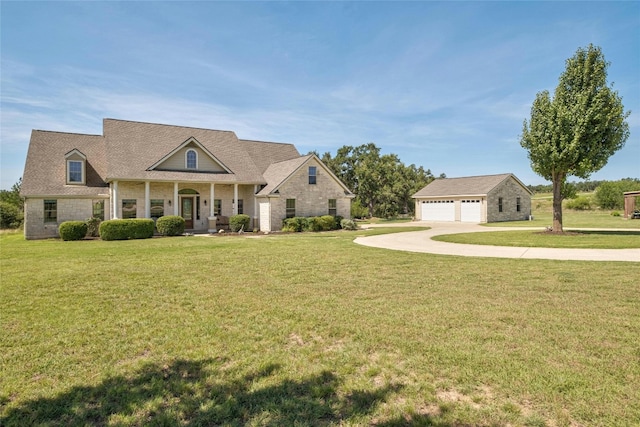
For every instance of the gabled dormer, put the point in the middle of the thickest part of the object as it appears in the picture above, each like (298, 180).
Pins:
(76, 167)
(190, 156)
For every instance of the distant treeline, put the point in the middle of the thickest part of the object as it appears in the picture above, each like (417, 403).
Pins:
(580, 187)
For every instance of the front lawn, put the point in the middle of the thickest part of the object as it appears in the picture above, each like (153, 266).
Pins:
(310, 329)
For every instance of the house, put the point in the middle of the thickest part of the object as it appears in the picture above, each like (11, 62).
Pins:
(488, 198)
(146, 170)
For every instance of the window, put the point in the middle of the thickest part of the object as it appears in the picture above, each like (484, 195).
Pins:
(517, 204)
(50, 211)
(217, 207)
(156, 207)
(333, 207)
(75, 172)
(499, 204)
(312, 174)
(98, 209)
(191, 159)
(240, 206)
(291, 208)
(129, 208)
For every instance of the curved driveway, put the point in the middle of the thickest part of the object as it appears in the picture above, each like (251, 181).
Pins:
(420, 241)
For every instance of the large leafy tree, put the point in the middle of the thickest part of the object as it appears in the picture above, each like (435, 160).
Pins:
(382, 183)
(577, 131)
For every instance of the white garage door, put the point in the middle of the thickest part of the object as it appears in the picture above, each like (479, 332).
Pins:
(438, 210)
(470, 211)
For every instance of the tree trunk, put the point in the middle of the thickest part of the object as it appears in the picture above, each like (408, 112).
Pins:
(558, 180)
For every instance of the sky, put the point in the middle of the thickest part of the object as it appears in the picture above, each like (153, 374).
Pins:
(444, 85)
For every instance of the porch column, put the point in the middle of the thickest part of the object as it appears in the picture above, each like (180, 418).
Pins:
(235, 199)
(176, 211)
(255, 207)
(212, 209)
(114, 200)
(147, 203)
(212, 196)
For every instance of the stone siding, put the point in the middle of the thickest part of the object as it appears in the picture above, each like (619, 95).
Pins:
(509, 190)
(311, 199)
(67, 210)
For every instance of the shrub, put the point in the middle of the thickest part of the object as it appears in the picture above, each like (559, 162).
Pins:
(72, 230)
(93, 227)
(313, 224)
(124, 229)
(348, 224)
(10, 215)
(580, 203)
(170, 225)
(239, 222)
(358, 211)
(327, 222)
(615, 213)
(338, 220)
(295, 224)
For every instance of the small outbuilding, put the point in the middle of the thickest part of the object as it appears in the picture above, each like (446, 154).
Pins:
(487, 198)
(630, 203)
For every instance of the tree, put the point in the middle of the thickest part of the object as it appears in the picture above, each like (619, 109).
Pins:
(577, 131)
(13, 196)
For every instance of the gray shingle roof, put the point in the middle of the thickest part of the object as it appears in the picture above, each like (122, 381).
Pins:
(277, 173)
(465, 186)
(128, 149)
(45, 169)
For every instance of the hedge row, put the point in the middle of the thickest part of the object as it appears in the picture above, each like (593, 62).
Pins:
(73, 230)
(124, 229)
(314, 223)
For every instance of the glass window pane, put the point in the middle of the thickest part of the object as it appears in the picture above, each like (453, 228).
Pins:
(129, 208)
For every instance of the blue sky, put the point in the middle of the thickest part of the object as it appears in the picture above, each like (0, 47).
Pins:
(444, 85)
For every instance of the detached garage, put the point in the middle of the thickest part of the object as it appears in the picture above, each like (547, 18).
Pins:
(488, 198)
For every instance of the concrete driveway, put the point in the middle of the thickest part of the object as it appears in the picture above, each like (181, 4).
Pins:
(420, 241)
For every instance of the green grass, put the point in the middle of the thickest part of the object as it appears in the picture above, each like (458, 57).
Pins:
(542, 211)
(310, 329)
(537, 239)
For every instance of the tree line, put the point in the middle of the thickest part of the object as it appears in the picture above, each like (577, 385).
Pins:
(382, 183)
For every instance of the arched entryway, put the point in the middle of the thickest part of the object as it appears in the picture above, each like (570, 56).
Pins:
(189, 206)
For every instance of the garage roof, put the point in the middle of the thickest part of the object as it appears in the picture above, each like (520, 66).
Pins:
(465, 186)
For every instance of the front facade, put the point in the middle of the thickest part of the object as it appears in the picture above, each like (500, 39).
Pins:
(145, 170)
(478, 199)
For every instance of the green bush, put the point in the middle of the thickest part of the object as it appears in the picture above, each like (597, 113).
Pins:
(358, 211)
(72, 230)
(239, 222)
(170, 225)
(348, 224)
(313, 224)
(93, 227)
(327, 222)
(124, 229)
(580, 203)
(295, 224)
(338, 219)
(10, 215)
(615, 213)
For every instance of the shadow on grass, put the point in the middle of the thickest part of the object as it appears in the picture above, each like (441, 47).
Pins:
(610, 232)
(200, 393)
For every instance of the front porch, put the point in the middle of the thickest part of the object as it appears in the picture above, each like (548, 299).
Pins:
(205, 207)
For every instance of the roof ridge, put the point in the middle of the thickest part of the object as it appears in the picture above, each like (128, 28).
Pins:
(168, 125)
(67, 133)
(265, 142)
(479, 176)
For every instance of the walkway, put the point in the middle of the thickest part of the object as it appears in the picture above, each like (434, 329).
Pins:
(420, 241)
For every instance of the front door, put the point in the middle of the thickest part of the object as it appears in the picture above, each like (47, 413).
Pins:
(187, 212)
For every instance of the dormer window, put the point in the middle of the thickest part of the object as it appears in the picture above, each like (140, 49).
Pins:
(191, 159)
(76, 167)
